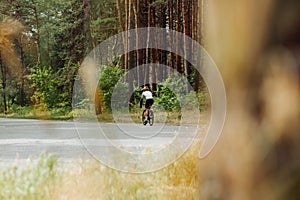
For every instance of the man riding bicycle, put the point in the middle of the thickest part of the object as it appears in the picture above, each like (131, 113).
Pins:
(147, 94)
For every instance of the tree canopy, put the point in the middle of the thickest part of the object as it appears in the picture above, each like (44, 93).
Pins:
(47, 41)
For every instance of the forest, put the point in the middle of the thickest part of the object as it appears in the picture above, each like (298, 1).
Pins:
(43, 43)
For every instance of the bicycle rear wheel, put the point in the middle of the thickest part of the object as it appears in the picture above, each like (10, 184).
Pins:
(143, 117)
(151, 117)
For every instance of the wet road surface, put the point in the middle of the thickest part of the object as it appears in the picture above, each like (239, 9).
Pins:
(23, 138)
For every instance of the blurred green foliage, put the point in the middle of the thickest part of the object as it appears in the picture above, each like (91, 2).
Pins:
(34, 181)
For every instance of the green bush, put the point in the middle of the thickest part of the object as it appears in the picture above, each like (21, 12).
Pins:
(174, 93)
(21, 111)
(110, 76)
(52, 86)
(44, 86)
(167, 99)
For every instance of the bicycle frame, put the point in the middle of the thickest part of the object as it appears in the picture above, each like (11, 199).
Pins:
(150, 117)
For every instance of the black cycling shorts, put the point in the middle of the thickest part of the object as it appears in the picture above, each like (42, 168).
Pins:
(149, 102)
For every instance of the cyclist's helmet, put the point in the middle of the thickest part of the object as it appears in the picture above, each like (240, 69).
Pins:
(145, 88)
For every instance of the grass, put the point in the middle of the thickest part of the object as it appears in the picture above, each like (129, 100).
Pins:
(49, 178)
(35, 180)
(30, 112)
(94, 181)
(165, 117)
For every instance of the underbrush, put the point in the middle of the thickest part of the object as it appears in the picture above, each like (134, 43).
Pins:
(34, 112)
(166, 110)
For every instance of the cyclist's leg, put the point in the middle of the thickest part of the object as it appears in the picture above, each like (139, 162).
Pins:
(147, 106)
(151, 101)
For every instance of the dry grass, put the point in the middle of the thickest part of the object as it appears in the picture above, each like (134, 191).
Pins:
(88, 179)
(91, 180)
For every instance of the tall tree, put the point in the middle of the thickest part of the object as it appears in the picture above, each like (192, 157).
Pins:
(187, 30)
(86, 24)
(37, 29)
(3, 83)
(171, 26)
(161, 18)
(153, 52)
(198, 38)
(69, 39)
(138, 52)
(178, 39)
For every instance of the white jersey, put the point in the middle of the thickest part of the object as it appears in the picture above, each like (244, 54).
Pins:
(147, 95)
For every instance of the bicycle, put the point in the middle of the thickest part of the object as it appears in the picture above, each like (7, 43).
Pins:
(150, 119)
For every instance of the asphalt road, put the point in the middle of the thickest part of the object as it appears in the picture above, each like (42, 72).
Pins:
(22, 138)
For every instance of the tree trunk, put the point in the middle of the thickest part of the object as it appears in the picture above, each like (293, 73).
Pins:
(120, 16)
(186, 10)
(22, 90)
(200, 22)
(87, 29)
(172, 58)
(135, 5)
(162, 38)
(123, 28)
(153, 51)
(178, 29)
(127, 19)
(38, 42)
(131, 56)
(143, 20)
(3, 73)
(198, 38)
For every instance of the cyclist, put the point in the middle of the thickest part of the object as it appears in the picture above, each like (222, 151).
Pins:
(147, 94)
